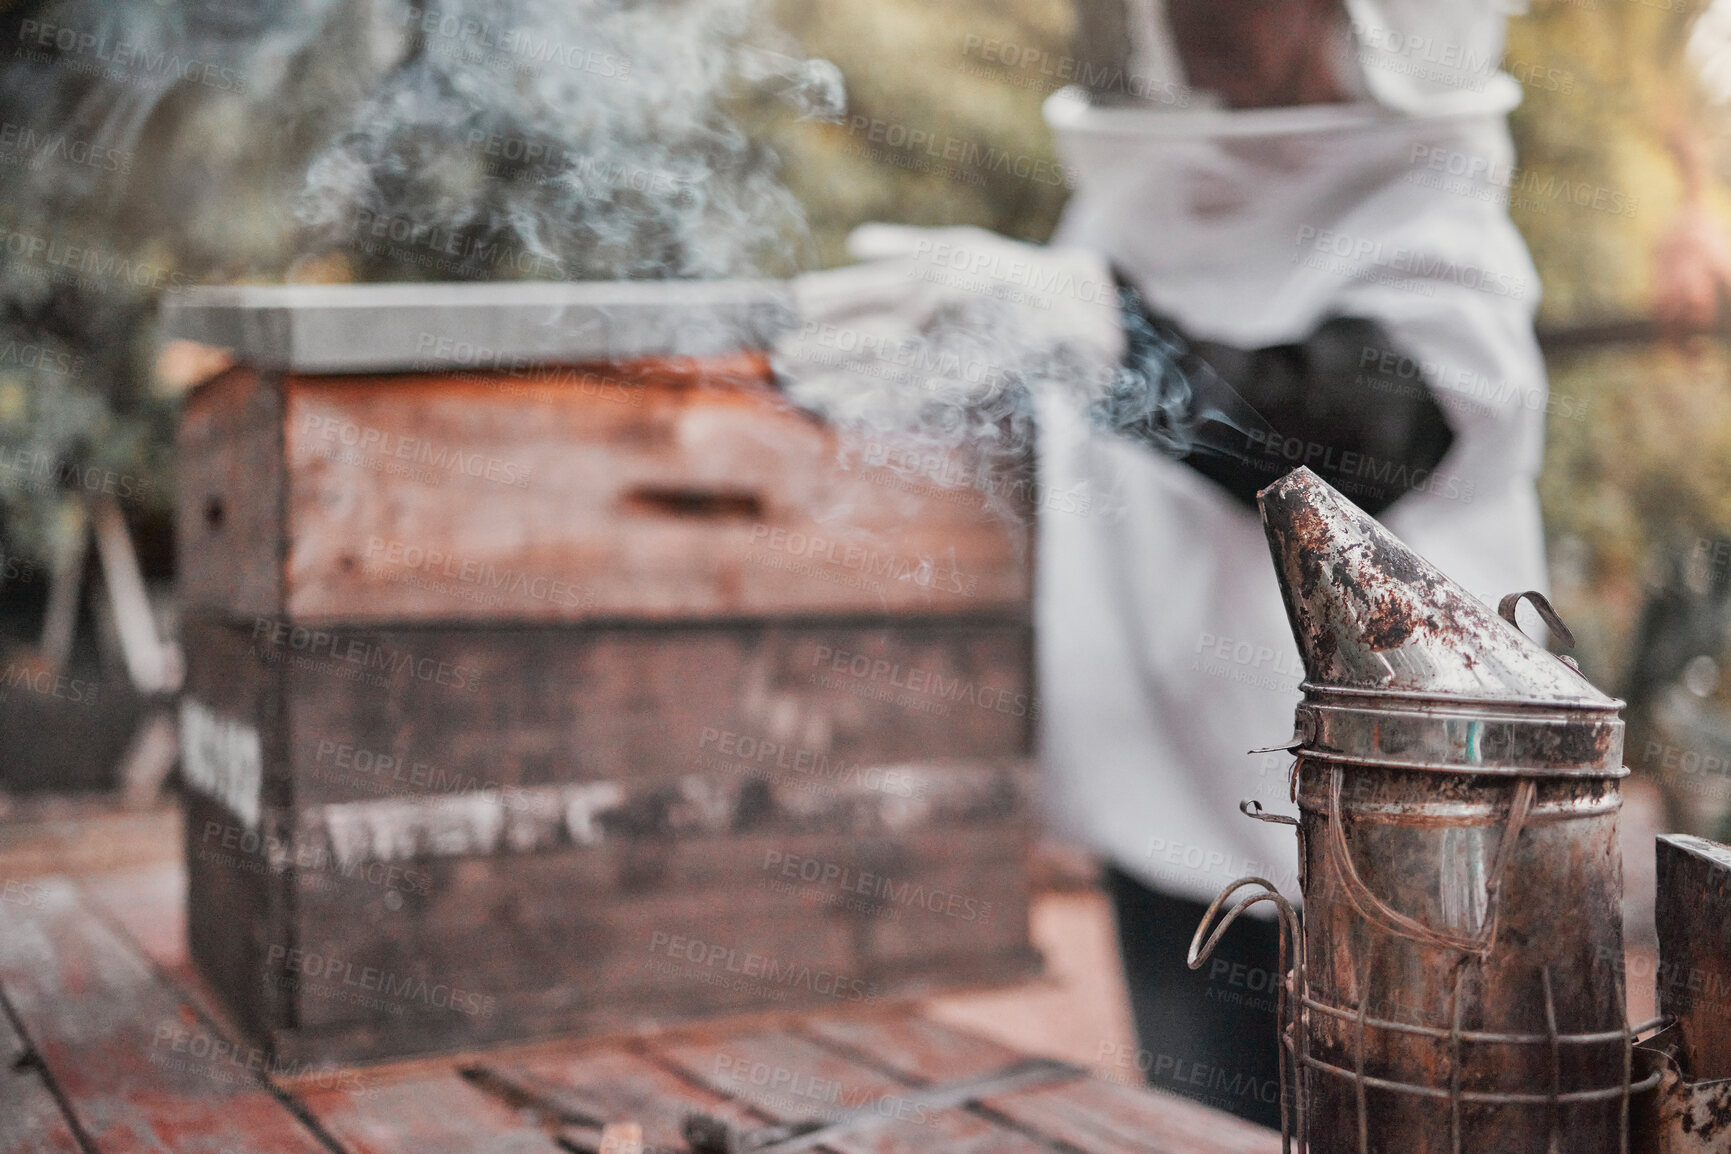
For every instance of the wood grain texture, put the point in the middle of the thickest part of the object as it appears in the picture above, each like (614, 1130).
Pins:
(792, 1079)
(1694, 922)
(616, 1085)
(636, 494)
(1092, 1114)
(30, 1119)
(493, 954)
(403, 824)
(229, 527)
(433, 1114)
(1105, 1118)
(347, 714)
(140, 1071)
(651, 490)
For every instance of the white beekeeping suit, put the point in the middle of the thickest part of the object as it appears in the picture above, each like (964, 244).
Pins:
(1164, 651)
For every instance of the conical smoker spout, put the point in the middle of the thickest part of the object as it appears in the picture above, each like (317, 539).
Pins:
(1369, 613)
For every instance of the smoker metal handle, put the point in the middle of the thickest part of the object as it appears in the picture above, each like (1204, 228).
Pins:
(1374, 909)
(1547, 613)
(1294, 993)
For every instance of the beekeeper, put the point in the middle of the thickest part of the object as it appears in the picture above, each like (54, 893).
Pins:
(1301, 205)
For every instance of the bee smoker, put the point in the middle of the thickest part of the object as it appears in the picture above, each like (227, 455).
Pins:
(1455, 980)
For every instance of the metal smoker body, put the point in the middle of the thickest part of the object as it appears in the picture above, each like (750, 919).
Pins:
(1456, 983)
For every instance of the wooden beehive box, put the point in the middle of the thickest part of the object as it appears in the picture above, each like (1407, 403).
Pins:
(548, 672)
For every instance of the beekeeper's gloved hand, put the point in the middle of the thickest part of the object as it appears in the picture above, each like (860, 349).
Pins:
(954, 329)
(948, 318)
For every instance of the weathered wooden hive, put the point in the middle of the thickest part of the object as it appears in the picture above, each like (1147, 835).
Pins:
(547, 672)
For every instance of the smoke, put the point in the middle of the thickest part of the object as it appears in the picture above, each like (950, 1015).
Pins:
(146, 145)
(950, 347)
(573, 140)
(105, 202)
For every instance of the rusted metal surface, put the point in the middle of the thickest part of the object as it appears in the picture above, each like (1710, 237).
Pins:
(1371, 614)
(1457, 981)
(1550, 976)
(1685, 1115)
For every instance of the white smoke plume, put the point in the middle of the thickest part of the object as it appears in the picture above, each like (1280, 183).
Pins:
(572, 140)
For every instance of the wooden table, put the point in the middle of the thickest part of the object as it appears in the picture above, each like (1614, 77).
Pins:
(109, 1044)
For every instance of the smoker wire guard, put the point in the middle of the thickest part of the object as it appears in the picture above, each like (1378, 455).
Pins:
(1439, 726)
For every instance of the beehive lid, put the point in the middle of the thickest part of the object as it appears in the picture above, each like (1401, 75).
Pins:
(491, 326)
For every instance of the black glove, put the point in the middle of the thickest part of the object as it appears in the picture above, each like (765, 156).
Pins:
(1243, 418)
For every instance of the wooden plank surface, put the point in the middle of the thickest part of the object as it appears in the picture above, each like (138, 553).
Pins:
(616, 1085)
(30, 1118)
(140, 1070)
(432, 1114)
(791, 1078)
(1092, 1114)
